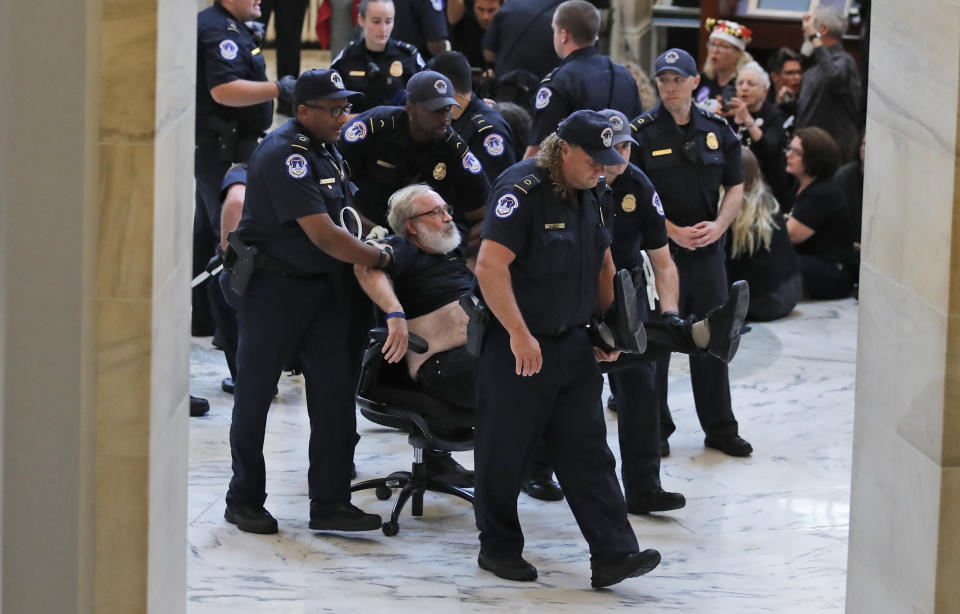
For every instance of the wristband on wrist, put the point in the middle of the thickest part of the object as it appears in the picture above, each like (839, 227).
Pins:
(382, 259)
(395, 314)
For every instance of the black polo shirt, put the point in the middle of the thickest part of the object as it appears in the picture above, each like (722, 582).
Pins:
(425, 282)
(420, 21)
(381, 76)
(559, 246)
(638, 222)
(522, 38)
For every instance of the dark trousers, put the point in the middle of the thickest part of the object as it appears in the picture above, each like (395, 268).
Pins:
(561, 406)
(282, 317)
(825, 279)
(703, 286)
(288, 26)
(209, 170)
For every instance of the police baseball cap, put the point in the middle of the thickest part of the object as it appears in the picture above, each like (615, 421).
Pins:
(621, 126)
(318, 84)
(431, 90)
(593, 132)
(677, 60)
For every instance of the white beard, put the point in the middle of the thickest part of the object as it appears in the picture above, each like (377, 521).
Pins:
(439, 242)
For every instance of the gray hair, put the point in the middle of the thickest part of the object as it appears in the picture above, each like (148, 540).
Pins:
(833, 18)
(755, 67)
(402, 205)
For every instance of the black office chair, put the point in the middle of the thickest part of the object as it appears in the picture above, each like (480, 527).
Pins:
(387, 396)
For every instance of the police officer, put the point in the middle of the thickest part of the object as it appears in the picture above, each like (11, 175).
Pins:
(376, 64)
(517, 37)
(480, 125)
(544, 269)
(638, 227)
(585, 79)
(296, 188)
(422, 23)
(388, 148)
(234, 108)
(689, 153)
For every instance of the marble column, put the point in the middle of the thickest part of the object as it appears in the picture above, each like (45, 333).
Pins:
(905, 504)
(96, 170)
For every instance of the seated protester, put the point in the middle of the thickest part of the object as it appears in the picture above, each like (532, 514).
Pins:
(375, 64)
(849, 180)
(726, 55)
(759, 249)
(819, 226)
(759, 126)
(520, 123)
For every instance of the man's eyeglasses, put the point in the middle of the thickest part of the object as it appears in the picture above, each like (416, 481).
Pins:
(334, 111)
(436, 212)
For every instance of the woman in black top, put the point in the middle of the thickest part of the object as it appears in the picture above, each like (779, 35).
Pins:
(759, 249)
(820, 224)
(759, 125)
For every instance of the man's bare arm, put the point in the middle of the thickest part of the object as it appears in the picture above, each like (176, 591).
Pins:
(377, 285)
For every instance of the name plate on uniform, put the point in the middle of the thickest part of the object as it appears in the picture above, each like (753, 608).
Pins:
(556, 226)
(328, 180)
(357, 73)
(661, 152)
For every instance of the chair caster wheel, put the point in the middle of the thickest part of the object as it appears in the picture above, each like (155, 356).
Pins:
(383, 493)
(390, 528)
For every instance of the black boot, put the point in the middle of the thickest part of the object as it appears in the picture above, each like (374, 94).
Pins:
(539, 484)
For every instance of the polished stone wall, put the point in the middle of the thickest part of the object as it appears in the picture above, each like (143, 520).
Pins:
(97, 209)
(905, 508)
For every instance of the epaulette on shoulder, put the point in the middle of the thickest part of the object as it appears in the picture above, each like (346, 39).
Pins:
(711, 115)
(549, 75)
(644, 120)
(411, 49)
(456, 141)
(528, 183)
(231, 26)
(480, 122)
(301, 141)
(384, 121)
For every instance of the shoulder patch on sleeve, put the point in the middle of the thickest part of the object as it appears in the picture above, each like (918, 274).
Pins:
(656, 203)
(356, 131)
(506, 205)
(543, 97)
(493, 144)
(471, 164)
(296, 166)
(228, 49)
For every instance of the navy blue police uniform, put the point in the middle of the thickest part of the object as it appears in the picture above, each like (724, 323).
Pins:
(688, 165)
(292, 309)
(380, 75)
(487, 135)
(419, 22)
(585, 79)
(521, 36)
(383, 157)
(559, 247)
(638, 224)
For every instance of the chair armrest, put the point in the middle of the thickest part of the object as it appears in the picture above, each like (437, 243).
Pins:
(415, 343)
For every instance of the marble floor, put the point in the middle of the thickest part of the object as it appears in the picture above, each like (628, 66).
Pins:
(762, 534)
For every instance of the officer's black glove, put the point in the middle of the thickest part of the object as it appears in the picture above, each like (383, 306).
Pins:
(285, 98)
(673, 318)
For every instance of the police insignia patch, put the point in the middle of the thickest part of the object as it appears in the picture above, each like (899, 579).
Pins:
(493, 144)
(441, 86)
(396, 68)
(337, 80)
(355, 132)
(507, 204)
(629, 203)
(228, 49)
(543, 97)
(296, 166)
(471, 163)
(607, 137)
(617, 123)
(672, 57)
(657, 204)
(439, 171)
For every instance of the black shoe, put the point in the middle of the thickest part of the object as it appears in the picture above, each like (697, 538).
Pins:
(542, 487)
(509, 568)
(198, 406)
(655, 500)
(343, 517)
(726, 322)
(664, 449)
(441, 465)
(251, 518)
(612, 404)
(629, 566)
(733, 445)
(226, 385)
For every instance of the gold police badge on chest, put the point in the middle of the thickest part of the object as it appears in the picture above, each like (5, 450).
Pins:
(712, 141)
(439, 171)
(396, 68)
(629, 203)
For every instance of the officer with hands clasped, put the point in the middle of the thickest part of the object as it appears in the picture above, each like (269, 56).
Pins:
(284, 257)
(689, 153)
(544, 270)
